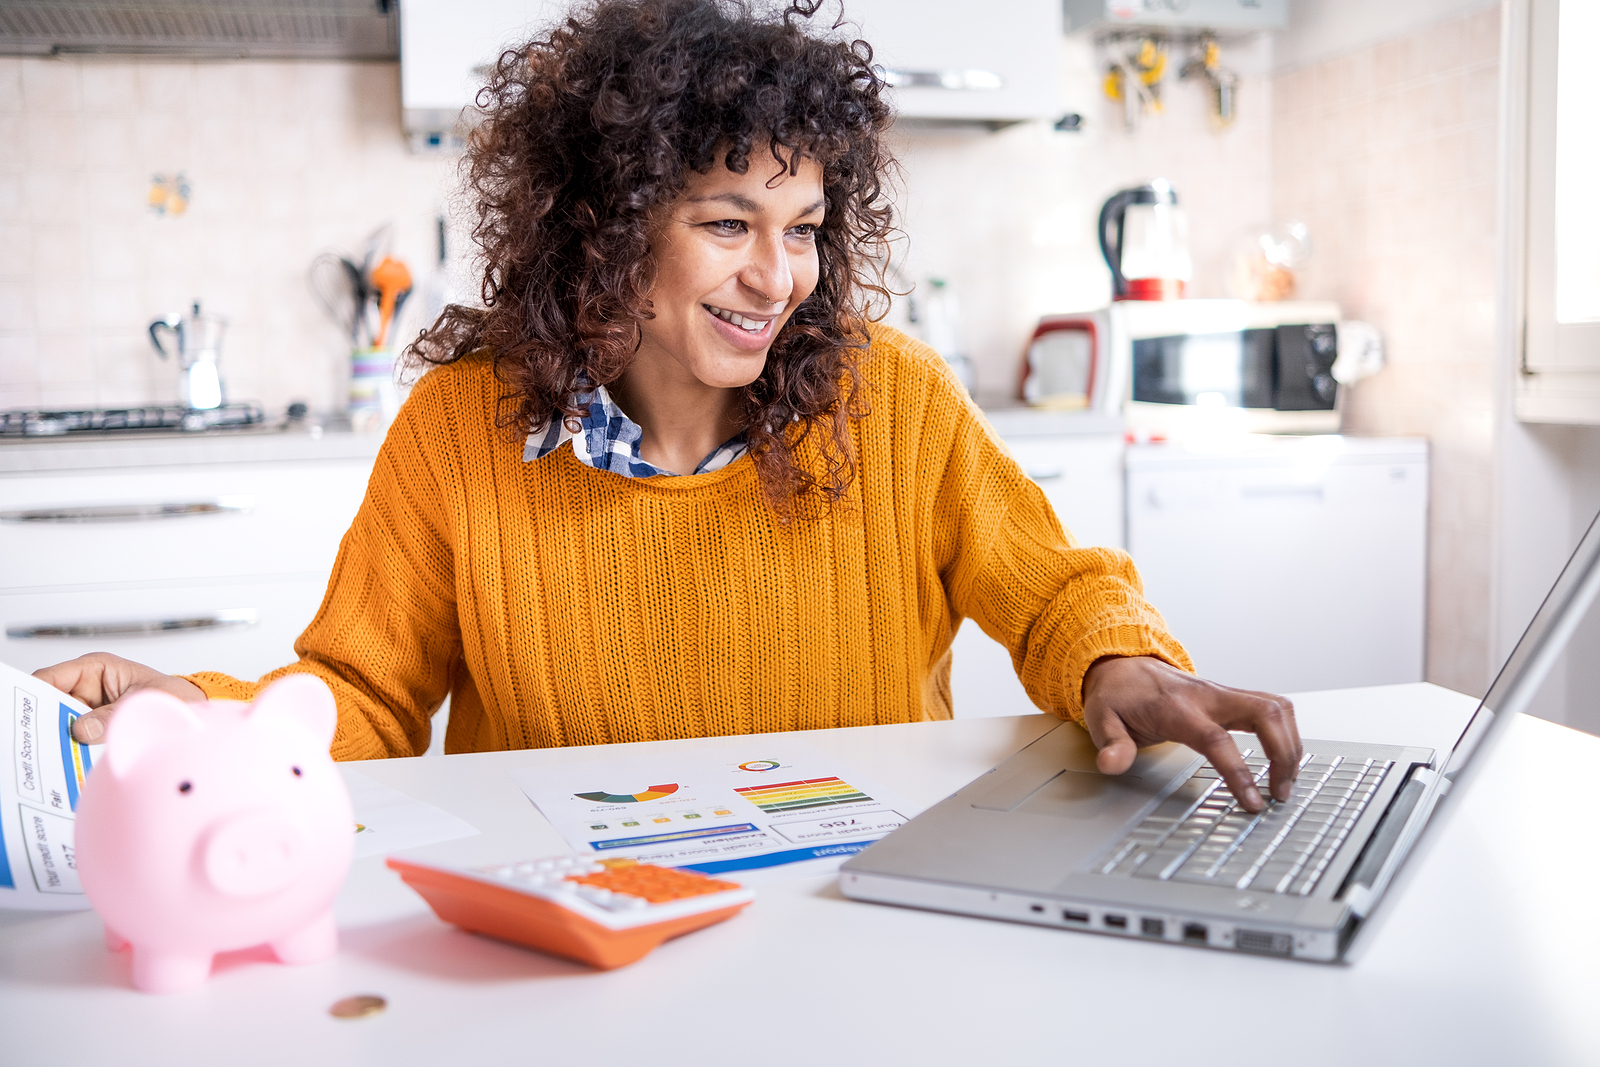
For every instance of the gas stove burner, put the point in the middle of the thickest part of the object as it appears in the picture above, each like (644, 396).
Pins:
(129, 420)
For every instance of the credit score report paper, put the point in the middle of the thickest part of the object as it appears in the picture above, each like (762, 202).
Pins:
(39, 796)
(734, 806)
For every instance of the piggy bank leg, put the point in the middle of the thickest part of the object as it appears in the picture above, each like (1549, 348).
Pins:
(315, 941)
(115, 942)
(168, 972)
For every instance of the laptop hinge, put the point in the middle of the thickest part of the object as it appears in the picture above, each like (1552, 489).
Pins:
(1392, 839)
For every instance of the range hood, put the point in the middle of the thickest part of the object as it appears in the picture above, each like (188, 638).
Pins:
(204, 29)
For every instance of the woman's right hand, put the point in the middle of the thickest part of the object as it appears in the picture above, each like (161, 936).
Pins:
(101, 679)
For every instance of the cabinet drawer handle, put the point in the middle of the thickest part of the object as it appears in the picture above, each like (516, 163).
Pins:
(986, 80)
(1044, 474)
(217, 620)
(131, 512)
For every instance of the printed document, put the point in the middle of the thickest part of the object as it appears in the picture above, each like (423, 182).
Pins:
(388, 820)
(732, 806)
(39, 795)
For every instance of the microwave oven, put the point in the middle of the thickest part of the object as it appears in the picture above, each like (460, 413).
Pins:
(1168, 366)
(1256, 367)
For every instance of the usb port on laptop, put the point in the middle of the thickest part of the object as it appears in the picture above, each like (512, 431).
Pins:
(1074, 916)
(1117, 922)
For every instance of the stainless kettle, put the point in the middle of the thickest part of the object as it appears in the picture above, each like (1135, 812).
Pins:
(197, 342)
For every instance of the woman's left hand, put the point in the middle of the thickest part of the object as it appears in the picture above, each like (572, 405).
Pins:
(1129, 702)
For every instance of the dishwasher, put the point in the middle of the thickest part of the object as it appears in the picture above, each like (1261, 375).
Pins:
(1286, 563)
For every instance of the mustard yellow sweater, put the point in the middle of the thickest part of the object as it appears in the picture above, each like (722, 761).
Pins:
(557, 604)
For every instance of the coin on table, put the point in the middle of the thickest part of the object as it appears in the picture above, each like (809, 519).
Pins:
(357, 1007)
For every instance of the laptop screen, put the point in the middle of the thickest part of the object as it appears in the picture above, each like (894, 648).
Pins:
(1541, 645)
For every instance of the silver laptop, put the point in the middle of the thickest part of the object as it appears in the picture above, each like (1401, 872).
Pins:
(1164, 853)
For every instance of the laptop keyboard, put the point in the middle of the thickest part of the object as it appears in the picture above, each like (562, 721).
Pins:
(1201, 835)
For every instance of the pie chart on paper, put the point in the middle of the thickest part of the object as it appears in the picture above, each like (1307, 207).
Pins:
(654, 792)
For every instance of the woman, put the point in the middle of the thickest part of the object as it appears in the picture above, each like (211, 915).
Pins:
(669, 482)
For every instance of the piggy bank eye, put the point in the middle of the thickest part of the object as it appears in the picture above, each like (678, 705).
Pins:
(296, 771)
(184, 787)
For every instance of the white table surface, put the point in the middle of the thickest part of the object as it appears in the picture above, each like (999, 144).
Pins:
(1489, 952)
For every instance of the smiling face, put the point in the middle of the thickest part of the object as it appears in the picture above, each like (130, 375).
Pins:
(733, 257)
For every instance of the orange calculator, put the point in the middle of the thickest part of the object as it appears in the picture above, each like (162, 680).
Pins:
(604, 913)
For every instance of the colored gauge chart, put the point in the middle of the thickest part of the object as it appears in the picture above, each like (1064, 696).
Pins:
(654, 792)
(760, 765)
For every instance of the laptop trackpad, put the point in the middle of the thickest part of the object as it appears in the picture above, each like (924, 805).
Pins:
(1066, 793)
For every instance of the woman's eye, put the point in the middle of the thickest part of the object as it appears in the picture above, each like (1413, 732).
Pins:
(728, 226)
(805, 231)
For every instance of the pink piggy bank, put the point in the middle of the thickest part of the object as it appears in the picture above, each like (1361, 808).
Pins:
(209, 828)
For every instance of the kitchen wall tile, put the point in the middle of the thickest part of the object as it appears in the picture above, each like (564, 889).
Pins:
(13, 160)
(223, 140)
(64, 360)
(10, 85)
(165, 88)
(16, 250)
(1393, 63)
(110, 88)
(114, 255)
(51, 141)
(18, 395)
(1481, 42)
(16, 304)
(113, 305)
(106, 140)
(1410, 247)
(219, 89)
(1480, 94)
(65, 396)
(273, 90)
(114, 194)
(1443, 47)
(58, 254)
(19, 359)
(58, 302)
(163, 142)
(1446, 99)
(51, 86)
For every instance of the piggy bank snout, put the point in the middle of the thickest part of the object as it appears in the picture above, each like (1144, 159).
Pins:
(251, 855)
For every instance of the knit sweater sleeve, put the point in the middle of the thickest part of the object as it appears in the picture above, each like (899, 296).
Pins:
(386, 638)
(1007, 563)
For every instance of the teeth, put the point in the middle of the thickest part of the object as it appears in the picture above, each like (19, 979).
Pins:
(748, 325)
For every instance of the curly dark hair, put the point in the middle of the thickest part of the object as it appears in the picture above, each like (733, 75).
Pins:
(587, 132)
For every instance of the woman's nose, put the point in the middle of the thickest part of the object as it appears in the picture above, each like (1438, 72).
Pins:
(767, 272)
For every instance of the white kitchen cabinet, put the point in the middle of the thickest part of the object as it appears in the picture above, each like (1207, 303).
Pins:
(243, 628)
(1081, 475)
(949, 62)
(102, 527)
(186, 567)
(1287, 564)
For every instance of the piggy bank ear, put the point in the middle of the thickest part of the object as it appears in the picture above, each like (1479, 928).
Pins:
(144, 722)
(303, 699)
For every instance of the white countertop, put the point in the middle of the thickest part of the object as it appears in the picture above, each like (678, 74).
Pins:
(89, 452)
(1486, 954)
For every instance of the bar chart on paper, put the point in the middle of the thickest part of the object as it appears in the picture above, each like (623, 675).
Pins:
(784, 797)
(719, 807)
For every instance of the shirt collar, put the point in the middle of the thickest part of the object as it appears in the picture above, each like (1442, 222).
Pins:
(606, 439)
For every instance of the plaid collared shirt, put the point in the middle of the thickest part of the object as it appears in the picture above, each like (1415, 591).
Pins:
(608, 440)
